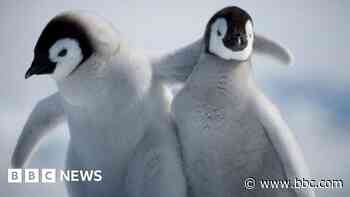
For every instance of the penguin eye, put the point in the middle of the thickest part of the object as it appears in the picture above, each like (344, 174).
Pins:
(219, 33)
(62, 53)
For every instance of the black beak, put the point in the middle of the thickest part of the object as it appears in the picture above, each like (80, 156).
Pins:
(236, 42)
(34, 68)
(40, 66)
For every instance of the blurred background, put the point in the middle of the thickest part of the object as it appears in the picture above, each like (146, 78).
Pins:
(312, 94)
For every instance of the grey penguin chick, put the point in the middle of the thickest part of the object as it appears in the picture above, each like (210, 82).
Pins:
(169, 67)
(228, 130)
(117, 112)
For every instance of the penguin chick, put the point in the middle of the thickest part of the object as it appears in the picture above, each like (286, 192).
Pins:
(117, 113)
(229, 131)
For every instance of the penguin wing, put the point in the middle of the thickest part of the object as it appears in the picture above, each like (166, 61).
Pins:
(156, 169)
(283, 141)
(177, 65)
(47, 114)
(266, 46)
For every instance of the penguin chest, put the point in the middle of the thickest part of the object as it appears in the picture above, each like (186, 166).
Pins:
(209, 111)
(221, 143)
(104, 131)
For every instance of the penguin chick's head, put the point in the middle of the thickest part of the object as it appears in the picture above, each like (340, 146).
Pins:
(68, 40)
(229, 34)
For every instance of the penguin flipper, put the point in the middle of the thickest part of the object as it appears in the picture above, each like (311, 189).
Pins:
(47, 114)
(177, 65)
(156, 168)
(266, 46)
(284, 143)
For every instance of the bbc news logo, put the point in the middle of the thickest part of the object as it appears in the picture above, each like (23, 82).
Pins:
(52, 175)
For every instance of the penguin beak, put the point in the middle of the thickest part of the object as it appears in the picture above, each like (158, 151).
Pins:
(40, 66)
(236, 42)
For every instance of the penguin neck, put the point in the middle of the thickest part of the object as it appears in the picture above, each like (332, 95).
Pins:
(230, 72)
(104, 81)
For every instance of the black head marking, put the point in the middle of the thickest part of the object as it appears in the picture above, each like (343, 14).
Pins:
(58, 28)
(236, 19)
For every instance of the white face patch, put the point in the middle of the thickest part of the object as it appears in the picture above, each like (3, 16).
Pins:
(67, 54)
(216, 43)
